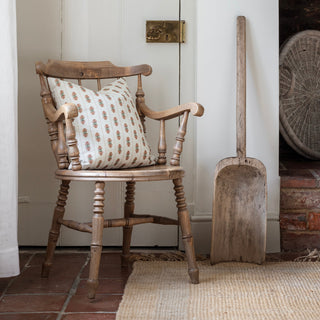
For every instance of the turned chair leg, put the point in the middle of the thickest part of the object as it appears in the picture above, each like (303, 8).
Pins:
(96, 242)
(184, 221)
(127, 230)
(55, 227)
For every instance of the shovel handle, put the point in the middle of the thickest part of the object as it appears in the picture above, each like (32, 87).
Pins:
(241, 87)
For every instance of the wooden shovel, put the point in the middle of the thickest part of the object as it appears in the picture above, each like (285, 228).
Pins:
(239, 200)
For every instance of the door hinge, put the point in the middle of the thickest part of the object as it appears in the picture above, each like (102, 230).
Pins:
(166, 31)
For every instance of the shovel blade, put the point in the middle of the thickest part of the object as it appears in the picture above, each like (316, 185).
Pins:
(239, 213)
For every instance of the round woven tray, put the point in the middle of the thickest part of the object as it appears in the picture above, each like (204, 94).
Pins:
(300, 93)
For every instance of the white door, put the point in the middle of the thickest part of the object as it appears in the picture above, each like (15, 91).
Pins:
(98, 30)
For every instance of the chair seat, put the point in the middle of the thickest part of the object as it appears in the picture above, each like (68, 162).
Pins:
(150, 173)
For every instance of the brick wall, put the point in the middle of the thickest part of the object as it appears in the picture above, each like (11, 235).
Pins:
(300, 210)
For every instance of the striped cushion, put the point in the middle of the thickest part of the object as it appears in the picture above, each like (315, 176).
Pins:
(108, 128)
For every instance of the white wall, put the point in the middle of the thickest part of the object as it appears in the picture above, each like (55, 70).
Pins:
(216, 84)
(38, 37)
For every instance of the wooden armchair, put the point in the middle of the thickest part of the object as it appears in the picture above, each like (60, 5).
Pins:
(63, 140)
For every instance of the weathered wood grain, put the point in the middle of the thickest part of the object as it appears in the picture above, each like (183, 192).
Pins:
(239, 200)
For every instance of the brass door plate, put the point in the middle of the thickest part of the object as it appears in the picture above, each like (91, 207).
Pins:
(166, 31)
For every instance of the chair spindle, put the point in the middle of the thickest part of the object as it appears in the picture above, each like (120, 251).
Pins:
(99, 84)
(62, 151)
(73, 150)
(162, 146)
(140, 100)
(175, 160)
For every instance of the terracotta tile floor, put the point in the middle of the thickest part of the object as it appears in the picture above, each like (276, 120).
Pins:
(63, 294)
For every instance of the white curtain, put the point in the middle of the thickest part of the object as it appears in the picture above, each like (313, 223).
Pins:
(9, 255)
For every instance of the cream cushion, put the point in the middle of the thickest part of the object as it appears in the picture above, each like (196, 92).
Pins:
(108, 128)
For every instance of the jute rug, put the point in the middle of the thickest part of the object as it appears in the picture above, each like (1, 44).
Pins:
(160, 290)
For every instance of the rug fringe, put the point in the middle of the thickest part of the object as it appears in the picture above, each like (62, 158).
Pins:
(167, 256)
(313, 255)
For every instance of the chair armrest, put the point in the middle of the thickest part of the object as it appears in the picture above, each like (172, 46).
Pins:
(196, 109)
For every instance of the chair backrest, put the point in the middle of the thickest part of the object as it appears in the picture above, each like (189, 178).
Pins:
(62, 135)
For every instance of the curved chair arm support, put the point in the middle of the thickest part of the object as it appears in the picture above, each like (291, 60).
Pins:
(67, 137)
(177, 149)
(183, 110)
(66, 111)
(196, 109)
